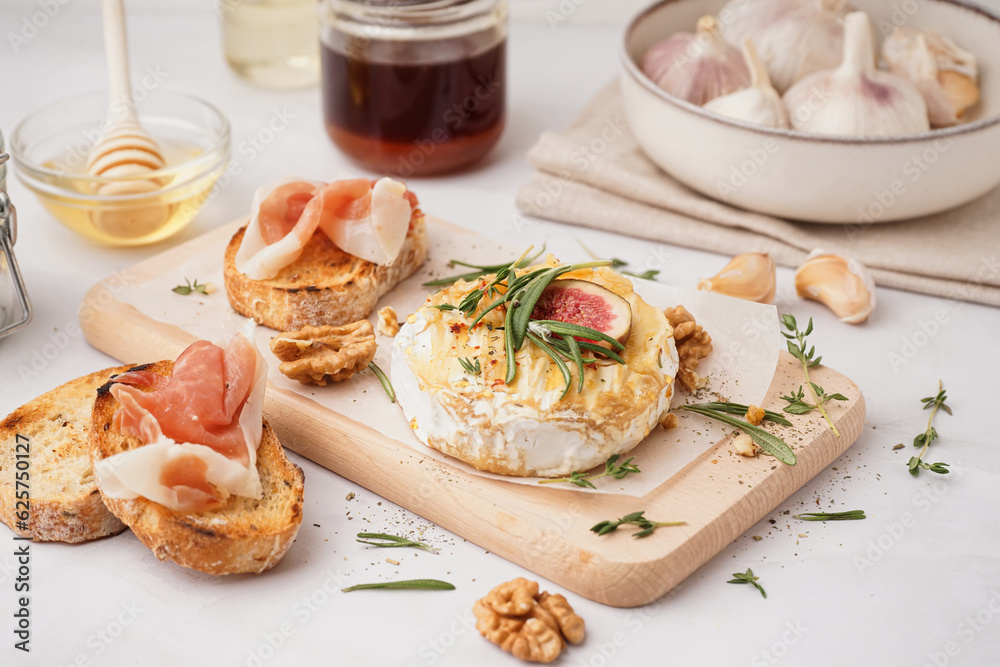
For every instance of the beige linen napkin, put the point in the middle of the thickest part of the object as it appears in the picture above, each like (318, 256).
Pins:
(594, 174)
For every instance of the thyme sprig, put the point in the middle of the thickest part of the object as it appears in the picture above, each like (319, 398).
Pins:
(797, 347)
(747, 578)
(930, 434)
(767, 441)
(190, 288)
(797, 405)
(481, 270)
(635, 519)
(849, 515)
(390, 541)
(611, 469)
(384, 381)
(419, 584)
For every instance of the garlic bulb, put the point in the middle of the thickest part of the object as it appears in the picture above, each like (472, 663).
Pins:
(760, 103)
(696, 67)
(794, 37)
(944, 73)
(748, 276)
(855, 99)
(844, 285)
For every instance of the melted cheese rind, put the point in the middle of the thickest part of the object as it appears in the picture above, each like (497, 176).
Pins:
(525, 428)
(137, 472)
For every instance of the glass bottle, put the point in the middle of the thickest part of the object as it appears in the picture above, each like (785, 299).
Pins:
(272, 43)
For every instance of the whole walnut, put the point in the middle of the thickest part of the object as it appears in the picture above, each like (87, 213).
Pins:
(529, 625)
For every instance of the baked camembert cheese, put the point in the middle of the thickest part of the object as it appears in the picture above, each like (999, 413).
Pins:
(529, 427)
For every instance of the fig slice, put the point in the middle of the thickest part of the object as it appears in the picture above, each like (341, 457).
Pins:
(587, 304)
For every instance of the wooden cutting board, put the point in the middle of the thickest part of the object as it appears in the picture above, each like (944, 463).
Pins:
(545, 529)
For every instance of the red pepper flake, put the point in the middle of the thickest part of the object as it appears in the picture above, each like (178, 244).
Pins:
(456, 327)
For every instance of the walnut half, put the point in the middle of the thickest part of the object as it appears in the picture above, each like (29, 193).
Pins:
(693, 345)
(531, 626)
(317, 355)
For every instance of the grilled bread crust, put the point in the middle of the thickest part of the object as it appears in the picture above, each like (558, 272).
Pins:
(324, 286)
(63, 503)
(244, 535)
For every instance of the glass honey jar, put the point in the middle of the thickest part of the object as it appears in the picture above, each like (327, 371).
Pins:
(414, 87)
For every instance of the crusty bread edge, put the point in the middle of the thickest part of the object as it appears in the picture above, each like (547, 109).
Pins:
(74, 521)
(287, 309)
(183, 538)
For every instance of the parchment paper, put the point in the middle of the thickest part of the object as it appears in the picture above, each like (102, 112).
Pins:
(745, 336)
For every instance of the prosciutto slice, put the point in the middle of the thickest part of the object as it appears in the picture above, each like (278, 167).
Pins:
(200, 427)
(363, 218)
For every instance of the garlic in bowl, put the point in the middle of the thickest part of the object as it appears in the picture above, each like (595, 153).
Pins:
(806, 175)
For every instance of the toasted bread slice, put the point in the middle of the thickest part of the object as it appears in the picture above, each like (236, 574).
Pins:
(244, 535)
(64, 504)
(324, 286)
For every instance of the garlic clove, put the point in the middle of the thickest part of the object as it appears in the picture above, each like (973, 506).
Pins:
(962, 91)
(696, 67)
(856, 99)
(844, 285)
(760, 103)
(944, 73)
(940, 110)
(749, 276)
(795, 37)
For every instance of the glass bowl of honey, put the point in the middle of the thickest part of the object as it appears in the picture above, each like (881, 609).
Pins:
(50, 149)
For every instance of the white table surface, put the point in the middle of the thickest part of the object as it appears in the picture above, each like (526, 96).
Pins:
(918, 583)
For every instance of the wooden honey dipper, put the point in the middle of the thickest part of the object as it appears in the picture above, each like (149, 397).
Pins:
(126, 151)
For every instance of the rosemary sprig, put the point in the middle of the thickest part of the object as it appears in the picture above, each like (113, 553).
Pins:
(636, 519)
(390, 541)
(649, 274)
(850, 515)
(797, 405)
(470, 365)
(189, 288)
(386, 385)
(930, 434)
(419, 584)
(611, 469)
(481, 270)
(741, 409)
(560, 341)
(444, 306)
(797, 348)
(616, 264)
(747, 578)
(769, 442)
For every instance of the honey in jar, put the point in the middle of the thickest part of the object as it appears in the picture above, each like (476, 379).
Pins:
(414, 88)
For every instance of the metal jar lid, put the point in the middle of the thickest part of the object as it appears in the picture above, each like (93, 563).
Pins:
(15, 307)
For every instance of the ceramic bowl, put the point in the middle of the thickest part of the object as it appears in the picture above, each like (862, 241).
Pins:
(813, 177)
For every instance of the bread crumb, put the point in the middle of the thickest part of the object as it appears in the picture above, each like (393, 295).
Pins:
(391, 561)
(755, 414)
(388, 321)
(669, 422)
(349, 496)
